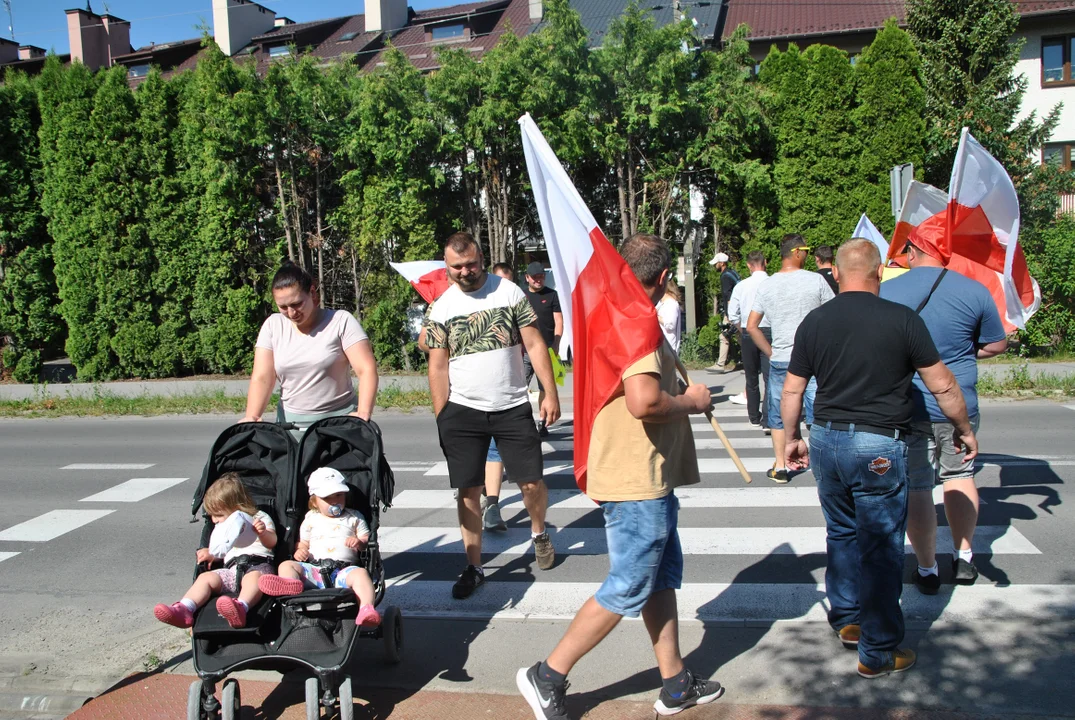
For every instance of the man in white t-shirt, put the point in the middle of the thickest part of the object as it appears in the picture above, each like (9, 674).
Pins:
(754, 362)
(476, 333)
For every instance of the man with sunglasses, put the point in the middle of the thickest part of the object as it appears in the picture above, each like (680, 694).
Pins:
(785, 299)
(964, 323)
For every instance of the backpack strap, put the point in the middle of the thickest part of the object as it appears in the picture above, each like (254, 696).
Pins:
(931, 291)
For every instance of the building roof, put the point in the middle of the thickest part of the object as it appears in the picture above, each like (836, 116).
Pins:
(485, 23)
(791, 19)
(597, 15)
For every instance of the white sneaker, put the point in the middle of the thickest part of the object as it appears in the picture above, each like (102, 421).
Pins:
(740, 399)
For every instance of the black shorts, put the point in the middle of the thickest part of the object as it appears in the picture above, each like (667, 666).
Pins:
(529, 368)
(464, 439)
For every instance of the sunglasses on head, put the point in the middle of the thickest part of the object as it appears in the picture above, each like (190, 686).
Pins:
(804, 248)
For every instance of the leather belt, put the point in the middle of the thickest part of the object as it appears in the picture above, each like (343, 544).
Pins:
(894, 433)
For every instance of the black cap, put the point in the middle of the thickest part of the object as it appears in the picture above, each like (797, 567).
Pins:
(535, 268)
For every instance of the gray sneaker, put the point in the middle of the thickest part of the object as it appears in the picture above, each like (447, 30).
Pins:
(544, 551)
(491, 519)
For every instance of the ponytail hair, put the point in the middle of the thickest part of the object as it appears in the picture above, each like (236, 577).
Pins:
(290, 275)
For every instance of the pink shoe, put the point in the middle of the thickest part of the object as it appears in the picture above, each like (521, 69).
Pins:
(232, 611)
(175, 614)
(368, 616)
(275, 586)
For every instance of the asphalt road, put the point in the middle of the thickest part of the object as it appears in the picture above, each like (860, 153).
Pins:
(94, 529)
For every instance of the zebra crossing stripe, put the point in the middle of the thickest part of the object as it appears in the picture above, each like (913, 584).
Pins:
(739, 443)
(705, 466)
(7, 555)
(107, 466)
(689, 497)
(134, 490)
(994, 539)
(730, 604)
(51, 525)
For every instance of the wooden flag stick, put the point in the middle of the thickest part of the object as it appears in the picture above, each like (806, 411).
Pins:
(716, 427)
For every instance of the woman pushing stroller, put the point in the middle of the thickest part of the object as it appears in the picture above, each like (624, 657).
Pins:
(330, 538)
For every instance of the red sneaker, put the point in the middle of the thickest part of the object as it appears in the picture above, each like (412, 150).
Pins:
(230, 609)
(275, 586)
(175, 614)
(368, 616)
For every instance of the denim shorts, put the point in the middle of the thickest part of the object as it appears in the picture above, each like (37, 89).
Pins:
(644, 553)
(932, 457)
(493, 455)
(778, 371)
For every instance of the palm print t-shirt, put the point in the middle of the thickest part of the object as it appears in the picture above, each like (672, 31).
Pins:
(480, 330)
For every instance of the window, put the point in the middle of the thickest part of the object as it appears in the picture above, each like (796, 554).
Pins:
(1056, 56)
(448, 32)
(347, 36)
(1061, 154)
(279, 51)
(138, 71)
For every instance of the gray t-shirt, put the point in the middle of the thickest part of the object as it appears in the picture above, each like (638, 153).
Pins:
(785, 299)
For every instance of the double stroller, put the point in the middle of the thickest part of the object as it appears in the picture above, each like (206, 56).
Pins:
(315, 630)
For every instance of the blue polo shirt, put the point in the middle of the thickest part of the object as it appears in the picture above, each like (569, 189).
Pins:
(961, 316)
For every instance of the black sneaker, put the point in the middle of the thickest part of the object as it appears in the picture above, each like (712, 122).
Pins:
(467, 583)
(963, 572)
(926, 584)
(698, 692)
(545, 699)
(778, 475)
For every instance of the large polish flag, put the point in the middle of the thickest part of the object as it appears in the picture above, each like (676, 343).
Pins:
(609, 321)
(428, 277)
(974, 230)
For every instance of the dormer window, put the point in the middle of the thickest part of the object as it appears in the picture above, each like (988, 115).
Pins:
(279, 51)
(447, 33)
(138, 71)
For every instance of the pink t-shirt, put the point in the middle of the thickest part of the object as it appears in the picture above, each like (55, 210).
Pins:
(314, 374)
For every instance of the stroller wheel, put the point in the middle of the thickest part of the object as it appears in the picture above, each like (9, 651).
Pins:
(230, 700)
(194, 701)
(347, 700)
(392, 629)
(313, 700)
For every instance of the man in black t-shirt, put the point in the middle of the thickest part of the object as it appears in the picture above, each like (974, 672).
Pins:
(823, 259)
(546, 304)
(863, 351)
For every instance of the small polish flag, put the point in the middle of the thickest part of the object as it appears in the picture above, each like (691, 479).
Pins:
(428, 277)
(609, 321)
(868, 231)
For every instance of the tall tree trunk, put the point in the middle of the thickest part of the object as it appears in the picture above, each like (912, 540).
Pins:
(354, 278)
(632, 199)
(297, 213)
(621, 189)
(320, 236)
(283, 206)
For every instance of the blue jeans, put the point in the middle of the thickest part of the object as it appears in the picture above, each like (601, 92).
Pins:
(777, 372)
(644, 554)
(862, 483)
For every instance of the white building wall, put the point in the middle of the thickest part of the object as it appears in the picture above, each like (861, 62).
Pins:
(235, 22)
(1041, 99)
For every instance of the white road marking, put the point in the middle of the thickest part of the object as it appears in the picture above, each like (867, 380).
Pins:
(740, 603)
(995, 539)
(741, 497)
(108, 466)
(7, 555)
(739, 443)
(134, 490)
(705, 466)
(51, 525)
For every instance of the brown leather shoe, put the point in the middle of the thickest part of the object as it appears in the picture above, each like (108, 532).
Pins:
(849, 636)
(902, 660)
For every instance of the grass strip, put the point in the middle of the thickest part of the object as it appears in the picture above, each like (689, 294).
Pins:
(103, 403)
(1020, 382)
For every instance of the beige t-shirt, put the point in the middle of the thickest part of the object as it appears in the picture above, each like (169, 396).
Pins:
(314, 373)
(633, 460)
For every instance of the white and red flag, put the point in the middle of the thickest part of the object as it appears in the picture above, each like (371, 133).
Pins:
(609, 321)
(976, 233)
(428, 277)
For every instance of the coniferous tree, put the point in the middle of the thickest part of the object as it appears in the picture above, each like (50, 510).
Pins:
(29, 317)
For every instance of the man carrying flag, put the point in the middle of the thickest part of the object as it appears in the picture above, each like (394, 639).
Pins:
(633, 442)
(641, 449)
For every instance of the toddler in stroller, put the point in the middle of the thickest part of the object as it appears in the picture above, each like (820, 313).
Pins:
(252, 537)
(330, 539)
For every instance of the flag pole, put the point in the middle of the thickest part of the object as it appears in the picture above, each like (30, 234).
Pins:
(716, 426)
